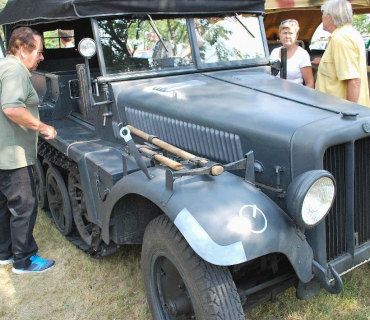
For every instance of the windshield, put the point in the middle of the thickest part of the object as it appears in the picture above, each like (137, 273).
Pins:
(132, 44)
(230, 38)
(151, 43)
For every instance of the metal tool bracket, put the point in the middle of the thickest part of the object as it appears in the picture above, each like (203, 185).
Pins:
(202, 168)
(125, 134)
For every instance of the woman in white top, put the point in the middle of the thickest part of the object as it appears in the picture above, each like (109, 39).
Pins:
(299, 67)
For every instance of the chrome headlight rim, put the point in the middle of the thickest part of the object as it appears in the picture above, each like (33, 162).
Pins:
(297, 192)
(87, 52)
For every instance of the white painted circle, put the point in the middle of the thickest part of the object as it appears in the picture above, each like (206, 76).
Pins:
(256, 212)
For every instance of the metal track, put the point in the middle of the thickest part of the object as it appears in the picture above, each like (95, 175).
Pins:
(61, 161)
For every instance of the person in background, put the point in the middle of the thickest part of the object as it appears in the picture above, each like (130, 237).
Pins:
(159, 50)
(342, 70)
(19, 128)
(66, 38)
(299, 69)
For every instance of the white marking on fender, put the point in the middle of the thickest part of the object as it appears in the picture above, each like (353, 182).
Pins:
(204, 246)
(245, 209)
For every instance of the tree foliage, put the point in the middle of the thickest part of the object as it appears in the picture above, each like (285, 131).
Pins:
(362, 23)
(129, 43)
(3, 3)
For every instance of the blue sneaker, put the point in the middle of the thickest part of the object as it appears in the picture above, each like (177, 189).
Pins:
(5, 262)
(37, 265)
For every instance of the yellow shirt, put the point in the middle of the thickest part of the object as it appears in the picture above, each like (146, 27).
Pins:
(344, 59)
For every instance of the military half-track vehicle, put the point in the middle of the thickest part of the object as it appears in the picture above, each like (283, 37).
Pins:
(173, 134)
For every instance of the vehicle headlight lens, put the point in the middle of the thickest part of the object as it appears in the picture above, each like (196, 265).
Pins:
(87, 48)
(318, 200)
(310, 197)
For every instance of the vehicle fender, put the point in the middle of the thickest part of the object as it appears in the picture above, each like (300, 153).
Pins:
(226, 220)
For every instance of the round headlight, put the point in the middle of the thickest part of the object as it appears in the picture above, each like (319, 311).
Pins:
(310, 197)
(87, 48)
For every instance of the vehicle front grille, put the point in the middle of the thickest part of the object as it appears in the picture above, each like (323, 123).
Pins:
(362, 188)
(335, 162)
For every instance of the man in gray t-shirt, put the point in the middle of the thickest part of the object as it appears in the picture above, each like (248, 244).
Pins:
(19, 127)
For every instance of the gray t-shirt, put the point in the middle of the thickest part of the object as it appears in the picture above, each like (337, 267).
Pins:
(18, 145)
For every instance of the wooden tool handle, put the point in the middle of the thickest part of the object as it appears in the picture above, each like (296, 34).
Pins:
(164, 145)
(138, 132)
(217, 170)
(164, 160)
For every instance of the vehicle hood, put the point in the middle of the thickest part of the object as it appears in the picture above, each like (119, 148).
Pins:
(263, 111)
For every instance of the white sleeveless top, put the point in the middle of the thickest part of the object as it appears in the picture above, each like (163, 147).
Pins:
(299, 60)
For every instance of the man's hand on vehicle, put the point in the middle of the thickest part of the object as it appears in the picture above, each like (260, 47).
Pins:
(48, 132)
(23, 117)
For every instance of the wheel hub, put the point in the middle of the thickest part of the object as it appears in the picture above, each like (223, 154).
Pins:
(178, 306)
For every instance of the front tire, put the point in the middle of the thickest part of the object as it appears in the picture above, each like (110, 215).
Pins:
(181, 285)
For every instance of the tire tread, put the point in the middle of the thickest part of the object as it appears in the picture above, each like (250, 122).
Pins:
(214, 284)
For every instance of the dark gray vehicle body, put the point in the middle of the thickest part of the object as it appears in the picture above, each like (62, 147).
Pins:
(220, 114)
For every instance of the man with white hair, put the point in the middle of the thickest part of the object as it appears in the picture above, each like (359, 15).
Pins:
(342, 71)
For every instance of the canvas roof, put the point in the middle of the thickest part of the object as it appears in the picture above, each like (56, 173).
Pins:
(288, 5)
(30, 11)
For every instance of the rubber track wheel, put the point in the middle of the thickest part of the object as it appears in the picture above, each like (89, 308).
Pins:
(58, 198)
(211, 288)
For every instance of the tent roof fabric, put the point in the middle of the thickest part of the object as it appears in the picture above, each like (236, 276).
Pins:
(48, 10)
(284, 5)
(26, 10)
(306, 12)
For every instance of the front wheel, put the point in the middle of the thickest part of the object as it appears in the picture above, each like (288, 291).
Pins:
(181, 285)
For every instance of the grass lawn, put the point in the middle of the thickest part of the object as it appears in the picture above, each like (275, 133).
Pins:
(79, 287)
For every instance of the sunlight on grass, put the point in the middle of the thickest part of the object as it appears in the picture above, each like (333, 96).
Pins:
(352, 303)
(6, 286)
(79, 287)
(8, 298)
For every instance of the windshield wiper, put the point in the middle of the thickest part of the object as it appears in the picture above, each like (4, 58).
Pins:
(245, 27)
(152, 24)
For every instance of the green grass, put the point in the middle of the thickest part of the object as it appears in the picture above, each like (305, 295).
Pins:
(352, 303)
(79, 287)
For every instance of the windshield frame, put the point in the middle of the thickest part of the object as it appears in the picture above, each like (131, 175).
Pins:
(197, 66)
(143, 73)
(227, 64)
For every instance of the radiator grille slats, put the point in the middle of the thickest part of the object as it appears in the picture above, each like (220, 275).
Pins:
(334, 162)
(219, 146)
(362, 188)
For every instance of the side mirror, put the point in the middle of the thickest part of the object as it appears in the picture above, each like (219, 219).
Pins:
(87, 49)
(284, 59)
(275, 67)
